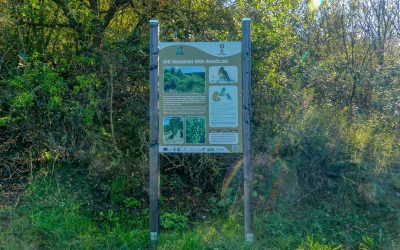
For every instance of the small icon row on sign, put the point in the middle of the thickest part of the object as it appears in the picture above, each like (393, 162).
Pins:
(193, 149)
(185, 149)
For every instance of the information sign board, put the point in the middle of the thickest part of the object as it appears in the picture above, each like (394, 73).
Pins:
(200, 97)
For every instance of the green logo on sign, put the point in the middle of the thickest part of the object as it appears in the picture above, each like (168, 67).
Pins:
(179, 50)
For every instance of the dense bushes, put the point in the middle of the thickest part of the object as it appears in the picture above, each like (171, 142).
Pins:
(74, 92)
(46, 115)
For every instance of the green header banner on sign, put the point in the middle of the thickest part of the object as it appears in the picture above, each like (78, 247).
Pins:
(200, 97)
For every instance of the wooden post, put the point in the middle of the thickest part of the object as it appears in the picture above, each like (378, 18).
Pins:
(154, 223)
(247, 157)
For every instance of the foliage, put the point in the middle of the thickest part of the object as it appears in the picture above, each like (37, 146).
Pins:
(59, 209)
(195, 130)
(312, 245)
(74, 127)
(54, 215)
(174, 221)
(175, 81)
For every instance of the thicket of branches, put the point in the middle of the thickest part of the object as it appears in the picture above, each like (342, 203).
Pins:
(74, 87)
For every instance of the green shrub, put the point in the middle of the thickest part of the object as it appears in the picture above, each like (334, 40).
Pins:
(174, 221)
(311, 244)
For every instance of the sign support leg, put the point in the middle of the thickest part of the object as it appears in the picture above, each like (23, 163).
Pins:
(247, 157)
(154, 223)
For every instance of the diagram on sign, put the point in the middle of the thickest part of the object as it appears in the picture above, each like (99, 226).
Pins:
(223, 74)
(218, 95)
(223, 106)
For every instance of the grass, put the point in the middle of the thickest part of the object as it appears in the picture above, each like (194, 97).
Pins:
(57, 211)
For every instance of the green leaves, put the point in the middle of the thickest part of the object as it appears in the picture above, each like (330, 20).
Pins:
(174, 221)
(23, 100)
(195, 130)
(5, 121)
(39, 86)
(86, 83)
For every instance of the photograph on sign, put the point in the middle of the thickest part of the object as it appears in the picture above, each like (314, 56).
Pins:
(173, 130)
(200, 95)
(195, 130)
(223, 74)
(184, 79)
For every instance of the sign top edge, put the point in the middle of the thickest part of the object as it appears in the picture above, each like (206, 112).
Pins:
(218, 49)
(188, 43)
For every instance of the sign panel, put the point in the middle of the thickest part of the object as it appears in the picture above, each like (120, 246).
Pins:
(200, 97)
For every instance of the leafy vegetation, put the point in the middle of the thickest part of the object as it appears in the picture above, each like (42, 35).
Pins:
(176, 81)
(173, 130)
(74, 126)
(195, 130)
